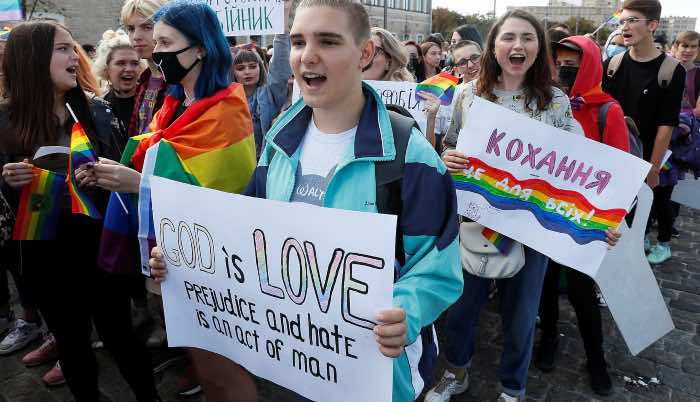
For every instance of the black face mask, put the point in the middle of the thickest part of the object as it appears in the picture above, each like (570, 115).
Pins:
(173, 72)
(567, 76)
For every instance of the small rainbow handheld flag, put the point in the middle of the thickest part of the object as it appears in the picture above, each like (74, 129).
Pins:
(81, 152)
(441, 85)
(40, 206)
(502, 243)
(615, 18)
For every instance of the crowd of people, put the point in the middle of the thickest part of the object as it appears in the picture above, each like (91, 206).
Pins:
(169, 73)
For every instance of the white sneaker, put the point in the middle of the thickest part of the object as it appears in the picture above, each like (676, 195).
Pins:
(21, 334)
(507, 398)
(6, 322)
(446, 387)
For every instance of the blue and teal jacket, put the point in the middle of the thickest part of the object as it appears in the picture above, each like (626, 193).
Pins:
(430, 280)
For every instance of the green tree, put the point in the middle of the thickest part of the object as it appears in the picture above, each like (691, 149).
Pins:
(482, 22)
(580, 26)
(445, 21)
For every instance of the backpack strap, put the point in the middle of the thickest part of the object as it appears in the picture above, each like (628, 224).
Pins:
(388, 175)
(614, 64)
(668, 67)
(603, 118)
(389, 171)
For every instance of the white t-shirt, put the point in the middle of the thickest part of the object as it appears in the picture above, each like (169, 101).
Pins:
(320, 155)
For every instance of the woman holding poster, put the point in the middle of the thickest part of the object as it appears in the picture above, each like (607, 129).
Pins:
(515, 73)
(202, 136)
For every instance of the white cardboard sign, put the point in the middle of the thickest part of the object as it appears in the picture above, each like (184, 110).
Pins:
(629, 286)
(249, 17)
(402, 93)
(289, 291)
(687, 192)
(551, 190)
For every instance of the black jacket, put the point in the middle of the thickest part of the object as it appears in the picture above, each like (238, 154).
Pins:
(103, 131)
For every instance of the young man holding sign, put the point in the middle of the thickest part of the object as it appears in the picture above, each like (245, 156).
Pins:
(329, 151)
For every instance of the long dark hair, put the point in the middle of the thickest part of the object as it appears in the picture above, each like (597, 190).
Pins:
(26, 66)
(538, 79)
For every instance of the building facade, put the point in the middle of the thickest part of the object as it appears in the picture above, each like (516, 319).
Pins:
(88, 19)
(672, 26)
(597, 11)
(407, 19)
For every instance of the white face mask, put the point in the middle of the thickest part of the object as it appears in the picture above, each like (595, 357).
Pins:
(612, 50)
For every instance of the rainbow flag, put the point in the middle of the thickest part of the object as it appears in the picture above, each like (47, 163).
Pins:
(40, 206)
(81, 152)
(441, 85)
(615, 18)
(10, 10)
(563, 211)
(502, 243)
(210, 145)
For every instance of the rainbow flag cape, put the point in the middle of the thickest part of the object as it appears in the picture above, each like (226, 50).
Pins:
(210, 145)
(441, 85)
(502, 243)
(81, 152)
(582, 221)
(40, 206)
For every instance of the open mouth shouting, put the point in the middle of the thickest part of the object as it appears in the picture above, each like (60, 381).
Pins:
(517, 60)
(313, 81)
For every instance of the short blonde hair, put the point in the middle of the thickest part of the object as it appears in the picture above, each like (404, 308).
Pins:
(147, 8)
(397, 55)
(111, 41)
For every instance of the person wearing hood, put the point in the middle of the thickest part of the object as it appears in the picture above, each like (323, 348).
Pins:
(580, 72)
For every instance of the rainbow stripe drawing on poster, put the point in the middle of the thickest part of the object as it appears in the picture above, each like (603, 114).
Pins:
(563, 211)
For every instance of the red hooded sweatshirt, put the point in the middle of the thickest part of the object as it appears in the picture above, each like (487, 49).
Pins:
(588, 86)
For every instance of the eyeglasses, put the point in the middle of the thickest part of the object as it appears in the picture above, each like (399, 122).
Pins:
(631, 21)
(379, 49)
(475, 59)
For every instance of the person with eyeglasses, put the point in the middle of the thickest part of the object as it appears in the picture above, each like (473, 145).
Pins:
(390, 59)
(634, 80)
(466, 55)
(467, 66)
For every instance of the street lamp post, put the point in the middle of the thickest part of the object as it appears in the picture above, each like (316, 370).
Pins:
(385, 13)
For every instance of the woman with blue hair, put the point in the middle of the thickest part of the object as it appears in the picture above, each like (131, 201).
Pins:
(208, 142)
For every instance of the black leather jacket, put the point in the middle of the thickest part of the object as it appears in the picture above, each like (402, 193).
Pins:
(107, 140)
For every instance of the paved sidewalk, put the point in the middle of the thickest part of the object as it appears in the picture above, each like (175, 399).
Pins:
(673, 360)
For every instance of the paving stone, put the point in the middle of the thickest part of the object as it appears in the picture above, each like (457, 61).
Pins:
(685, 306)
(9, 368)
(561, 394)
(24, 388)
(691, 365)
(684, 325)
(662, 357)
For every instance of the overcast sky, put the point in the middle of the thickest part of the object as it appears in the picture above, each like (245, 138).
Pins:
(688, 8)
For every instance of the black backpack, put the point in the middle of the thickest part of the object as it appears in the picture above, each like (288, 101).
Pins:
(389, 175)
(636, 147)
